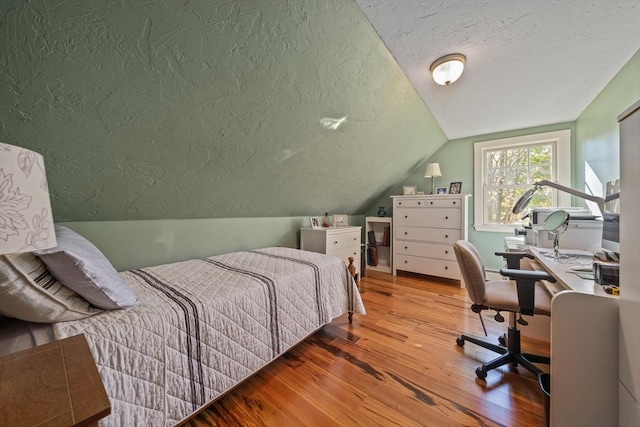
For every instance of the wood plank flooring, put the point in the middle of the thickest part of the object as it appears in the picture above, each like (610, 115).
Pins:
(398, 365)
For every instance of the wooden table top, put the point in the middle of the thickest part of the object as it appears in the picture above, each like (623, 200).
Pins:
(55, 384)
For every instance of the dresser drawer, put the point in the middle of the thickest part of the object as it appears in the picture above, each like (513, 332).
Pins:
(423, 234)
(342, 240)
(440, 217)
(430, 266)
(429, 250)
(432, 202)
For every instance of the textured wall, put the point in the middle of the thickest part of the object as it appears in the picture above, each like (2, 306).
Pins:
(207, 109)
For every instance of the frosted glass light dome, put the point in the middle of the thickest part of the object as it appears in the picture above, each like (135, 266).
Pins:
(448, 69)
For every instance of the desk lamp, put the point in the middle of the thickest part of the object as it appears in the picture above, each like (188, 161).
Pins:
(524, 200)
(26, 221)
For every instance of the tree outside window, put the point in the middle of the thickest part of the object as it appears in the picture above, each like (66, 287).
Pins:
(509, 173)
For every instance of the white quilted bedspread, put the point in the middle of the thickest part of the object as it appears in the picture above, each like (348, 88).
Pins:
(202, 326)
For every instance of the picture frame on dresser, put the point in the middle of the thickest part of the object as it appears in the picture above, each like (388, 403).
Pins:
(315, 222)
(455, 187)
(340, 220)
(409, 190)
(441, 190)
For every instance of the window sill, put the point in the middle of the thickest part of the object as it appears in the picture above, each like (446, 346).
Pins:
(495, 228)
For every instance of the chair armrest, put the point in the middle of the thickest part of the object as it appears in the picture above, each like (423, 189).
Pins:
(513, 258)
(526, 286)
(527, 275)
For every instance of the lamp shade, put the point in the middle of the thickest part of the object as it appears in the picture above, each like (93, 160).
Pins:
(448, 69)
(433, 170)
(26, 221)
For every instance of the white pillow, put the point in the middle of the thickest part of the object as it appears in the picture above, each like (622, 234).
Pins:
(79, 265)
(29, 292)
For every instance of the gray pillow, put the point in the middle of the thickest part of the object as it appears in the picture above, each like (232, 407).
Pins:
(80, 266)
(29, 292)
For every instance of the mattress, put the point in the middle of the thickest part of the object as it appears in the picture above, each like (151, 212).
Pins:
(202, 326)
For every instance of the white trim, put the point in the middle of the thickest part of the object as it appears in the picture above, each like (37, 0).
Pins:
(562, 139)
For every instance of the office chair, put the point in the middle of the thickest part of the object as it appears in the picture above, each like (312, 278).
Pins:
(521, 295)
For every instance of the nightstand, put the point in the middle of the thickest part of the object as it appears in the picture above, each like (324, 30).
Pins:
(342, 242)
(55, 384)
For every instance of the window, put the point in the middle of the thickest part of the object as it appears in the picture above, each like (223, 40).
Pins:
(505, 168)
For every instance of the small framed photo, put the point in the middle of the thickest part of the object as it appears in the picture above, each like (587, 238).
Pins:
(410, 190)
(315, 222)
(455, 188)
(441, 190)
(340, 220)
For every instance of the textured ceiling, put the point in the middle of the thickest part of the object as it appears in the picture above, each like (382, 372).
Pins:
(529, 63)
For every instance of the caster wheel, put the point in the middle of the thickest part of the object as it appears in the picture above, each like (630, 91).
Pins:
(460, 342)
(502, 340)
(481, 374)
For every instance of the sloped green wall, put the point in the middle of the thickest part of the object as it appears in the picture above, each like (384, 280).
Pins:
(157, 109)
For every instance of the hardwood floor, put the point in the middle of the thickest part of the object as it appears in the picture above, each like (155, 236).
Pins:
(398, 365)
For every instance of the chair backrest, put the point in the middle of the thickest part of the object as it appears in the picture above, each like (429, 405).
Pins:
(472, 270)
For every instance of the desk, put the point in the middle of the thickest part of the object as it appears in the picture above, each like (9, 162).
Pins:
(584, 347)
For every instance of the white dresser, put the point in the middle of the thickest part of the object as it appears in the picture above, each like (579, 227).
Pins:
(424, 231)
(341, 242)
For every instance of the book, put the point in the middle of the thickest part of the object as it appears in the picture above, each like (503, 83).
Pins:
(372, 237)
(385, 236)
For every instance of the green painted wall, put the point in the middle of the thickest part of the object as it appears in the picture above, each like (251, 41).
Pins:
(135, 244)
(151, 109)
(598, 136)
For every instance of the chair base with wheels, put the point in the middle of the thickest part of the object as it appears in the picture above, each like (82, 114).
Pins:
(511, 354)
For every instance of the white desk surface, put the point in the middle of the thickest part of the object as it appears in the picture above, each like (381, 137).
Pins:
(560, 270)
(566, 278)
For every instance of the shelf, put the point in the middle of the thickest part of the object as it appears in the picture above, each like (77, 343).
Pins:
(376, 226)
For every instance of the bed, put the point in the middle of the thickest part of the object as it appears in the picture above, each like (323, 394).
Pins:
(200, 327)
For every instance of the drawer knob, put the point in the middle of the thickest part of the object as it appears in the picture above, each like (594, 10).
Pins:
(431, 202)
(405, 261)
(446, 236)
(446, 217)
(335, 243)
(406, 247)
(355, 238)
(446, 252)
(406, 216)
(399, 203)
(454, 202)
(419, 203)
(446, 268)
(405, 233)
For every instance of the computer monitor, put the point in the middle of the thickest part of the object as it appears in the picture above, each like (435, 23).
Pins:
(611, 232)
(611, 217)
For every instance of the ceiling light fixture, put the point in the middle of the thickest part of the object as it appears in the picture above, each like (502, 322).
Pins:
(448, 69)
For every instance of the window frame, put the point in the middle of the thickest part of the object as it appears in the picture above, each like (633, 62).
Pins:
(561, 163)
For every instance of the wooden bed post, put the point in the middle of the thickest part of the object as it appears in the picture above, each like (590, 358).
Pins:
(352, 270)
